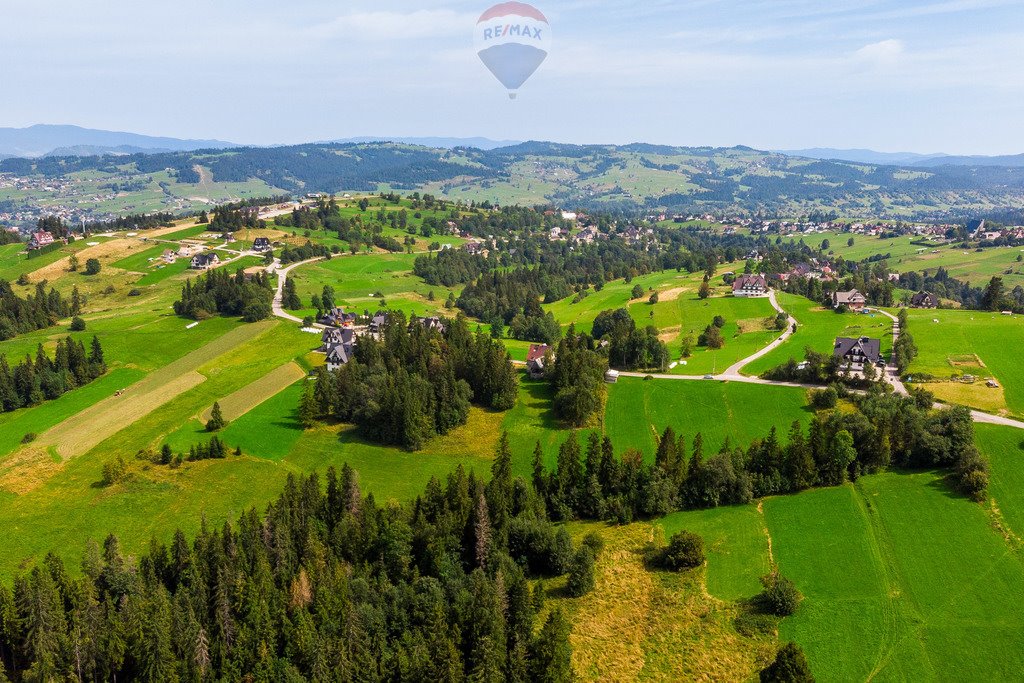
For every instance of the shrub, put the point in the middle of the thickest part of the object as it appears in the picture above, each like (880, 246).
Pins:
(23, 279)
(594, 542)
(780, 596)
(825, 399)
(114, 471)
(134, 291)
(581, 573)
(637, 292)
(77, 324)
(29, 438)
(790, 666)
(685, 550)
(92, 267)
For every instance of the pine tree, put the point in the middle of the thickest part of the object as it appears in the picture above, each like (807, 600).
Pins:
(308, 412)
(551, 654)
(216, 421)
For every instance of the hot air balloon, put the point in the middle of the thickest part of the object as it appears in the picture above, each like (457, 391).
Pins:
(512, 40)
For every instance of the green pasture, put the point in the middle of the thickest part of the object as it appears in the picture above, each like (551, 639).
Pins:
(960, 335)
(903, 580)
(818, 328)
(736, 545)
(638, 409)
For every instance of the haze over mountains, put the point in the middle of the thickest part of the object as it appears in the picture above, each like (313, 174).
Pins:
(868, 156)
(67, 140)
(50, 140)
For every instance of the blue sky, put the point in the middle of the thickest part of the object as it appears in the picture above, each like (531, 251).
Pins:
(907, 75)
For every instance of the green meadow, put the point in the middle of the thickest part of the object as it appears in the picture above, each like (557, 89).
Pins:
(817, 328)
(971, 342)
(909, 253)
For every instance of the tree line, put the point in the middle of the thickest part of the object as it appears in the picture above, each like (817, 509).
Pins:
(36, 311)
(413, 382)
(219, 292)
(885, 431)
(33, 381)
(327, 584)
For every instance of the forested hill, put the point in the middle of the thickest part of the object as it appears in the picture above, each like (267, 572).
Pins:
(587, 176)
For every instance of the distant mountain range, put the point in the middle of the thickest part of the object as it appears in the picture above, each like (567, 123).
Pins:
(610, 177)
(868, 156)
(437, 143)
(46, 140)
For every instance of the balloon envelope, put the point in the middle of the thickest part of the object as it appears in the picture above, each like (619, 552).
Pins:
(512, 40)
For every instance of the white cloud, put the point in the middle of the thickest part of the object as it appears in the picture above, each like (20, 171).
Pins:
(884, 53)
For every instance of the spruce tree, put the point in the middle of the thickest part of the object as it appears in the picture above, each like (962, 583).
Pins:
(216, 421)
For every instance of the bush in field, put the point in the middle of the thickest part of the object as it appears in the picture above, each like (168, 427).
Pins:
(780, 596)
(685, 550)
(790, 666)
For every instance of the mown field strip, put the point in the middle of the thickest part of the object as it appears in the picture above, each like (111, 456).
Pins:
(248, 397)
(108, 417)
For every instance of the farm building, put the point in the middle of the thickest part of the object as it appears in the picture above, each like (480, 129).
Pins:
(750, 286)
(261, 244)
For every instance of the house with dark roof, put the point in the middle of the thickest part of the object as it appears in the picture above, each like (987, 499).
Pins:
(924, 300)
(433, 323)
(261, 244)
(333, 336)
(337, 317)
(750, 286)
(853, 300)
(858, 352)
(338, 355)
(204, 261)
(535, 360)
(378, 322)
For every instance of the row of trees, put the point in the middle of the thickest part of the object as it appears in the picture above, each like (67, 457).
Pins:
(838, 446)
(414, 382)
(219, 292)
(36, 311)
(326, 585)
(41, 379)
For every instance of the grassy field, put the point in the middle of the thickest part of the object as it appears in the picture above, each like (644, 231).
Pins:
(736, 544)
(902, 580)
(818, 328)
(971, 342)
(361, 282)
(718, 410)
(651, 625)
